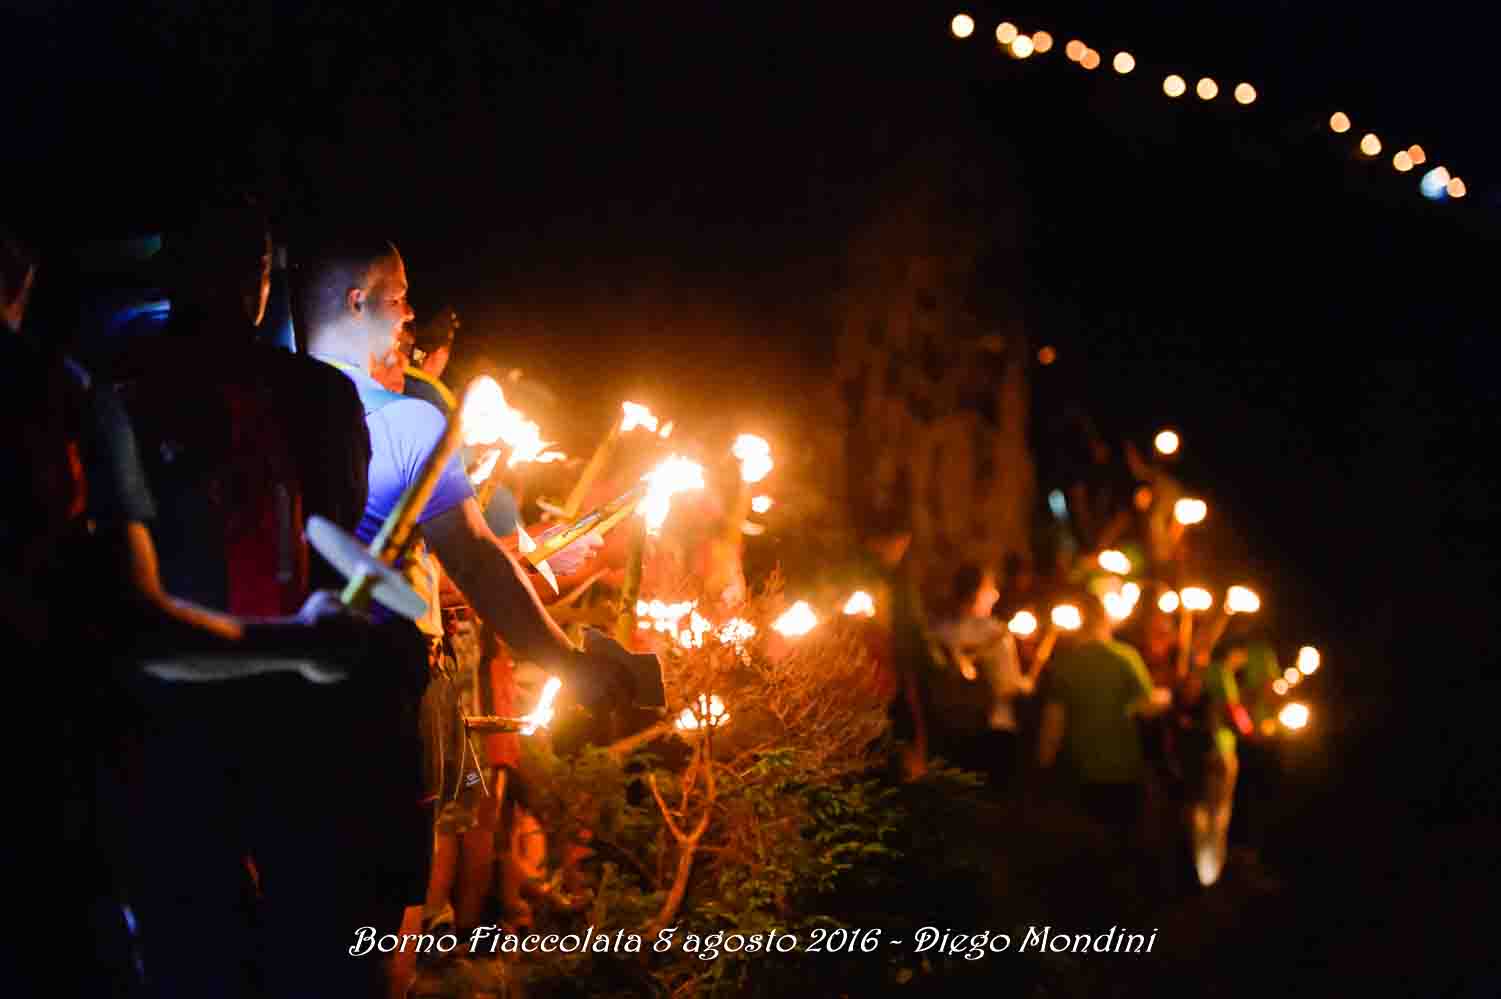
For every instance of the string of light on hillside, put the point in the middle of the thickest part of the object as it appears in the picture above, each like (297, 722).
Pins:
(1437, 184)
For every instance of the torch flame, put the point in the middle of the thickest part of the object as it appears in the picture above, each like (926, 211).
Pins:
(1294, 715)
(1291, 676)
(1308, 660)
(1114, 561)
(1168, 602)
(1242, 600)
(541, 715)
(675, 475)
(637, 415)
(737, 631)
(707, 712)
(1279, 686)
(1117, 606)
(755, 457)
(761, 504)
(666, 430)
(692, 637)
(1190, 511)
(1196, 598)
(1022, 623)
(658, 616)
(796, 620)
(860, 603)
(487, 418)
(484, 468)
(1067, 617)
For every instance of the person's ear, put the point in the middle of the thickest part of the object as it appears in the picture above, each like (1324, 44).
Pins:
(354, 300)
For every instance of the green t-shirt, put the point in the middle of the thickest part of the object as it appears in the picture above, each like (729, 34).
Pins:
(1260, 671)
(1096, 683)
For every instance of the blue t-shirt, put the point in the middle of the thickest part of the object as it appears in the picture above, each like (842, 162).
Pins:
(403, 432)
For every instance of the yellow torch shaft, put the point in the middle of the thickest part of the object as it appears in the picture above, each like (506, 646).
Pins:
(591, 470)
(625, 624)
(1216, 630)
(600, 519)
(1185, 640)
(1044, 649)
(738, 513)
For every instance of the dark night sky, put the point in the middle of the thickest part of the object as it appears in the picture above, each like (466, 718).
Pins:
(575, 175)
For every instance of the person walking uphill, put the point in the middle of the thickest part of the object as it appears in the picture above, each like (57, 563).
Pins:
(1094, 691)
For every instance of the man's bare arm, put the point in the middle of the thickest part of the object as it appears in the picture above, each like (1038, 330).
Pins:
(496, 585)
(184, 642)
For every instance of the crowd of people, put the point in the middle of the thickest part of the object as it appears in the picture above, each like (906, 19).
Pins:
(255, 768)
(1121, 714)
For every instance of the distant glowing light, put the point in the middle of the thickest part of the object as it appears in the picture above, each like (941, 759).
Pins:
(1196, 598)
(860, 604)
(1168, 602)
(1207, 89)
(796, 620)
(1292, 676)
(761, 504)
(1166, 442)
(1402, 161)
(1046, 356)
(1370, 144)
(1242, 600)
(1132, 593)
(1042, 41)
(1090, 59)
(1006, 32)
(1339, 122)
(1280, 687)
(1308, 660)
(1021, 46)
(1189, 511)
(962, 25)
(1117, 606)
(1245, 93)
(1113, 561)
(1022, 623)
(1435, 183)
(1415, 152)
(1074, 50)
(1123, 63)
(1058, 504)
(1455, 187)
(1293, 716)
(1174, 86)
(1067, 617)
